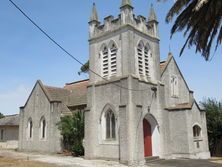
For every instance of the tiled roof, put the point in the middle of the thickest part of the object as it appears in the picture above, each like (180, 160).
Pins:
(164, 64)
(80, 85)
(57, 94)
(73, 94)
(10, 120)
(78, 92)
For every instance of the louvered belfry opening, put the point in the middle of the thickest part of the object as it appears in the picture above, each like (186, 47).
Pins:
(109, 60)
(143, 54)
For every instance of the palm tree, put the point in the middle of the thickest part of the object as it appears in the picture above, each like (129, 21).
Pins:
(201, 22)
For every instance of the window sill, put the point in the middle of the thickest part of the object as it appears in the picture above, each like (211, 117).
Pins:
(30, 139)
(197, 139)
(110, 142)
(174, 96)
(42, 140)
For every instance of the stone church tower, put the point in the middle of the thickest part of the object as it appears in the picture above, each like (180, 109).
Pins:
(128, 114)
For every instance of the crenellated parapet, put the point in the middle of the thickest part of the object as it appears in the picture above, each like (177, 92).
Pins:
(148, 26)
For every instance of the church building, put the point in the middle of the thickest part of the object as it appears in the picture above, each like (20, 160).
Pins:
(135, 106)
(143, 107)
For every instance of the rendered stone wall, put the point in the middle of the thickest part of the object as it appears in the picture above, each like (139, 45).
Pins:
(37, 107)
(183, 96)
(195, 117)
(10, 132)
(10, 137)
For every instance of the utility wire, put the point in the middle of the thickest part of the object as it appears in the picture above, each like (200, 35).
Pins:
(63, 49)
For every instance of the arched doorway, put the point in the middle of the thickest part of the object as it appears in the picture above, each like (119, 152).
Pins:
(147, 133)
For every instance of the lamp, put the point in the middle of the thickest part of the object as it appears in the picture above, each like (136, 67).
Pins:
(148, 109)
(154, 89)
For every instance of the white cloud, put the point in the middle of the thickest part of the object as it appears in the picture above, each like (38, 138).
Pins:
(10, 101)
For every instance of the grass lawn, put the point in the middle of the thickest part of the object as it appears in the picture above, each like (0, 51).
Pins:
(217, 160)
(10, 162)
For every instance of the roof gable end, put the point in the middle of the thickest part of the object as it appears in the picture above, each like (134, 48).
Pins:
(38, 82)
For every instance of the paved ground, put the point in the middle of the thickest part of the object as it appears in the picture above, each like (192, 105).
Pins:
(185, 163)
(66, 161)
(59, 160)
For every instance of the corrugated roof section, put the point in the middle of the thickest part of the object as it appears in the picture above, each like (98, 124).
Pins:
(10, 120)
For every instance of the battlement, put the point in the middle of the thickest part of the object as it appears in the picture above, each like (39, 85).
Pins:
(125, 18)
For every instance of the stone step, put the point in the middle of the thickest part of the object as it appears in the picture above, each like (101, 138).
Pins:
(152, 159)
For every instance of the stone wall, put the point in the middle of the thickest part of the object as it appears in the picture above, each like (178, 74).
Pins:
(37, 107)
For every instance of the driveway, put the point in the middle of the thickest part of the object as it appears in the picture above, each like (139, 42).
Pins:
(184, 163)
(67, 161)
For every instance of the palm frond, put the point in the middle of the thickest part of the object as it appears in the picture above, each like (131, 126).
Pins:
(200, 21)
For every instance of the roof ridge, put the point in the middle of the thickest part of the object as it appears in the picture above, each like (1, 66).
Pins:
(11, 115)
(54, 87)
(77, 82)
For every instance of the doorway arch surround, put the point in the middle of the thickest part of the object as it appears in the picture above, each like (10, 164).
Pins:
(151, 136)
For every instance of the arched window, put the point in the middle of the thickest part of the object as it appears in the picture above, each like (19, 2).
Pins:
(196, 131)
(109, 60)
(105, 62)
(43, 128)
(143, 54)
(110, 125)
(30, 128)
(113, 122)
(174, 84)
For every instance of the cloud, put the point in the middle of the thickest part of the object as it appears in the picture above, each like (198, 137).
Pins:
(10, 101)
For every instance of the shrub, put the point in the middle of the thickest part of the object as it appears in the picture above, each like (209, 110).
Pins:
(72, 130)
(77, 149)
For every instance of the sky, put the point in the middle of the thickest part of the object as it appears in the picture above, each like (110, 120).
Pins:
(26, 55)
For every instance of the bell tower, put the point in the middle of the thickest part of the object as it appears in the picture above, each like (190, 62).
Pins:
(126, 45)
(124, 58)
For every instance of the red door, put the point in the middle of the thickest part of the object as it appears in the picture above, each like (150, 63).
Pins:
(147, 138)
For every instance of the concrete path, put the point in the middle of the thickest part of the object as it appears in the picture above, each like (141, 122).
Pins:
(59, 160)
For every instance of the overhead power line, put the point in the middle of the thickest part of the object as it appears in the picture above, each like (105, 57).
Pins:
(63, 49)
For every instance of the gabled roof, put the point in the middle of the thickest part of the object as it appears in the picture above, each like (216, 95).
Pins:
(38, 82)
(73, 94)
(164, 64)
(10, 120)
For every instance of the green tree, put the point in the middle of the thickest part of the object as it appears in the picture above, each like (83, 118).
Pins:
(201, 22)
(72, 130)
(1, 115)
(214, 122)
(84, 68)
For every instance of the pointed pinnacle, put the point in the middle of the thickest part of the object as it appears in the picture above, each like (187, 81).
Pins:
(152, 15)
(126, 3)
(94, 15)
